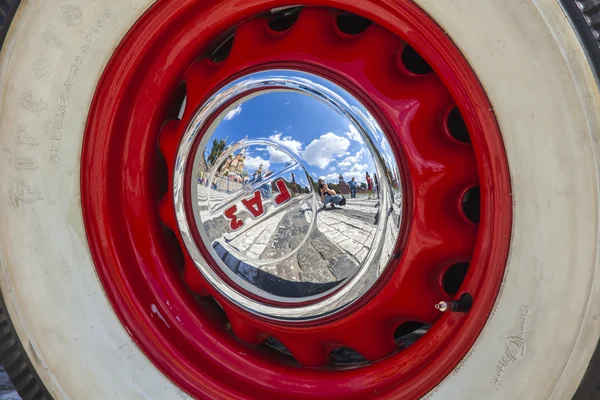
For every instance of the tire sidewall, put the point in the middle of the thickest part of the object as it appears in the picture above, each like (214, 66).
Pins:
(544, 327)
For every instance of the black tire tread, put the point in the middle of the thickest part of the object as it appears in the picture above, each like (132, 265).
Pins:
(16, 362)
(8, 8)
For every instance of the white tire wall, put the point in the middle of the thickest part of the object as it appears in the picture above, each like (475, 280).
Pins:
(547, 103)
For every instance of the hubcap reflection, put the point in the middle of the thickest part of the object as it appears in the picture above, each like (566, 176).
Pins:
(288, 195)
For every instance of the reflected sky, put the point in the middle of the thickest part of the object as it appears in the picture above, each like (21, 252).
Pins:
(327, 143)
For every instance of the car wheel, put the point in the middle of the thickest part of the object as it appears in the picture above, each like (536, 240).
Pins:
(161, 234)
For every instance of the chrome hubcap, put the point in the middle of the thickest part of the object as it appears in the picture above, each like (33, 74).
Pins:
(249, 202)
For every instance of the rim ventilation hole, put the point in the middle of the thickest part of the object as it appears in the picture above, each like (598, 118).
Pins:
(457, 127)
(281, 21)
(161, 175)
(222, 50)
(352, 24)
(454, 277)
(175, 252)
(409, 332)
(177, 103)
(471, 204)
(213, 309)
(414, 62)
(345, 356)
(278, 349)
(182, 108)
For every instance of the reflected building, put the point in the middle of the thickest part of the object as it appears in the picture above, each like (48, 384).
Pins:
(344, 188)
(233, 167)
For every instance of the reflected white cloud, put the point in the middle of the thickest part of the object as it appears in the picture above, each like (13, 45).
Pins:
(357, 172)
(320, 152)
(353, 134)
(359, 168)
(330, 177)
(278, 156)
(349, 161)
(358, 176)
(294, 146)
(233, 113)
(254, 163)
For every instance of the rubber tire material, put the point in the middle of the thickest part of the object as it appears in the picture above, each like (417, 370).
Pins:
(18, 366)
(585, 16)
(8, 8)
(13, 357)
(12, 352)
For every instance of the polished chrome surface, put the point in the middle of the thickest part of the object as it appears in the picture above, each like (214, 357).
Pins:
(265, 140)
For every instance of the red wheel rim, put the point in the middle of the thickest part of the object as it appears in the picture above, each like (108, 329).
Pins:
(137, 263)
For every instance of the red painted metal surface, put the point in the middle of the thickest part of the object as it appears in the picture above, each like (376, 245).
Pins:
(139, 268)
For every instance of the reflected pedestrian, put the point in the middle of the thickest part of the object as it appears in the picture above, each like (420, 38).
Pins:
(353, 186)
(329, 196)
(369, 186)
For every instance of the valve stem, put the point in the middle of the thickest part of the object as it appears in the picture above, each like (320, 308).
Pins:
(462, 305)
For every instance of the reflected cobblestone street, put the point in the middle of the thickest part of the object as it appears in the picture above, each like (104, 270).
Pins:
(334, 251)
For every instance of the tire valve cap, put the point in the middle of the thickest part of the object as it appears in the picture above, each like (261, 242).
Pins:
(462, 305)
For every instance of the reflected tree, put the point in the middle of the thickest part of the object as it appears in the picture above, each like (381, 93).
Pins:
(216, 151)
